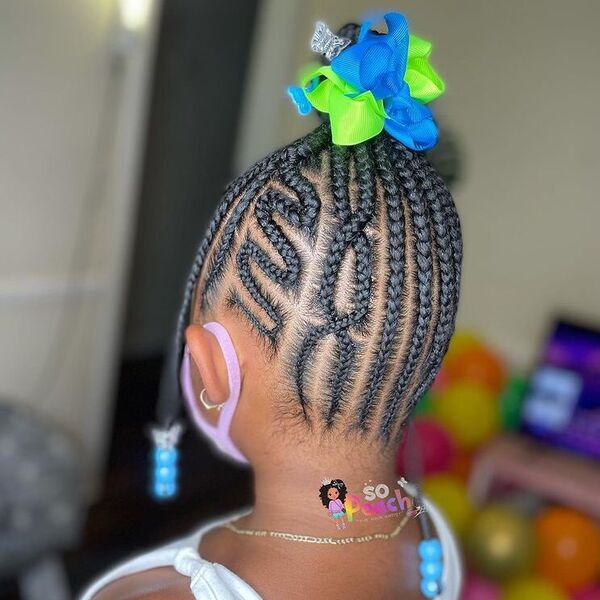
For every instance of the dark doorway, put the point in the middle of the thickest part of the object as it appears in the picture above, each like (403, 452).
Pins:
(201, 62)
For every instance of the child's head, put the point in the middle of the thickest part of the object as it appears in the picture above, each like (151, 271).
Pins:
(332, 490)
(336, 270)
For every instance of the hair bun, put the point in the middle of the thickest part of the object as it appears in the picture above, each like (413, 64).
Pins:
(374, 81)
(350, 31)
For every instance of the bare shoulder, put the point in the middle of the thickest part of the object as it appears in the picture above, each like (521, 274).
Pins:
(163, 583)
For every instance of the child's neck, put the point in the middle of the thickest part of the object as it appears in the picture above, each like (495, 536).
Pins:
(287, 492)
(287, 499)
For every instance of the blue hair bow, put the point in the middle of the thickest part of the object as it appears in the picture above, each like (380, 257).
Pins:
(381, 82)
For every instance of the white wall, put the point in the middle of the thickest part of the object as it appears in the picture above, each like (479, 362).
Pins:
(522, 94)
(64, 250)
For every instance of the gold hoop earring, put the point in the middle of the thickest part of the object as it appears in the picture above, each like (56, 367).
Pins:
(207, 404)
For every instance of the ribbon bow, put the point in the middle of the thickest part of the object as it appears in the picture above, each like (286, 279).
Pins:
(381, 82)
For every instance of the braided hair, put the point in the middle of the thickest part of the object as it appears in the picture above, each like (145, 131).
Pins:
(354, 253)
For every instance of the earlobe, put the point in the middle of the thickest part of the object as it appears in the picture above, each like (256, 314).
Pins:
(209, 370)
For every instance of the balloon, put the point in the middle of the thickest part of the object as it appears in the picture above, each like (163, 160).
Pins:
(532, 588)
(449, 494)
(500, 543)
(569, 548)
(461, 341)
(441, 381)
(510, 403)
(424, 404)
(476, 365)
(478, 588)
(589, 593)
(469, 413)
(461, 465)
(437, 447)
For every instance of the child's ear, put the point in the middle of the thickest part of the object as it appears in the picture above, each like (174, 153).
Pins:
(207, 363)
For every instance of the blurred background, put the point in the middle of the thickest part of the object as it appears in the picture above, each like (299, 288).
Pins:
(122, 120)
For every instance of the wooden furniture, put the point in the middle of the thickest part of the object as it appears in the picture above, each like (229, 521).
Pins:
(552, 473)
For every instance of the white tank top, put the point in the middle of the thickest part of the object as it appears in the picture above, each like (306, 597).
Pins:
(212, 581)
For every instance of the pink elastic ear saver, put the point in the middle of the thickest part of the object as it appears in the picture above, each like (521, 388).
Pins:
(219, 435)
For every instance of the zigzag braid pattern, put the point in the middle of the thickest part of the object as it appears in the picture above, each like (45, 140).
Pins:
(278, 163)
(301, 214)
(169, 400)
(348, 233)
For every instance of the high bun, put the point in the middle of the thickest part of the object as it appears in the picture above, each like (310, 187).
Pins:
(343, 253)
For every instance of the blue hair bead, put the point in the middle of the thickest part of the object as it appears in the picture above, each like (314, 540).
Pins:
(165, 490)
(164, 461)
(431, 569)
(165, 474)
(430, 550)
(430, 588)
(165, 456)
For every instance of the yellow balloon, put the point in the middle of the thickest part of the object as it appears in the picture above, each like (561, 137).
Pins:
(448, 493)
(532, 588)
(463, 340)
(469, 412)
(500, 543)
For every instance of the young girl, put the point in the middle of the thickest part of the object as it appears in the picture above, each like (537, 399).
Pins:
(333, 493)
(316, 315)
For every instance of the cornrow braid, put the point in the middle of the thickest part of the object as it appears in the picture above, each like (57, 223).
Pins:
(406, 174)
(395, 216)
(340, 183)
(251, 251)
(449, 255)
(355, 238)
(349, 233)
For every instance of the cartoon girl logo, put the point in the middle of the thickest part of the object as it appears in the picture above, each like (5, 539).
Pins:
(333, 493)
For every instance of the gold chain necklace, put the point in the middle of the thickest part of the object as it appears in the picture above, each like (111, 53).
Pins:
(311, 539)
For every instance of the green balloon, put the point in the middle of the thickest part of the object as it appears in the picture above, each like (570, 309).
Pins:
(510, 403)
(424, 404)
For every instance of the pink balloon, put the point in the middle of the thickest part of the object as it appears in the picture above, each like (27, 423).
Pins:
(590, 593)
(437, 448)
(441, 381)
(478, 588)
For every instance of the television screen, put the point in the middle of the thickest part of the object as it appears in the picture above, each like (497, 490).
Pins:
(562, 404)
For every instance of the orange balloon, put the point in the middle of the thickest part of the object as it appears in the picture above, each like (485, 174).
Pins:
(461, 465)
(476, 365)
(568, 548)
